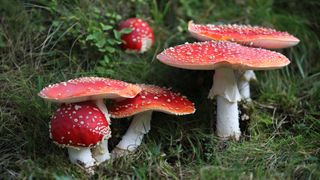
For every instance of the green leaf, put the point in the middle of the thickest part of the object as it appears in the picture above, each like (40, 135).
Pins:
(110, 49)
(110, 72)
(106, 59)
(117, 34)
(100, 42)
(105, 27)
(126, 31)
(112, 41)
(90, 37)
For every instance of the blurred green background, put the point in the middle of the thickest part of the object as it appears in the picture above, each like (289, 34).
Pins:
(48, 41)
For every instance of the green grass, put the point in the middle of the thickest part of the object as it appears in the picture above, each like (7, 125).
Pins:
(45, 42)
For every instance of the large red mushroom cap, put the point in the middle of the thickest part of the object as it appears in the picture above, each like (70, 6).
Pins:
(152, 98)
(88, 88)
(79, 125)
(209, 55)
(244, 34)
(140, 39)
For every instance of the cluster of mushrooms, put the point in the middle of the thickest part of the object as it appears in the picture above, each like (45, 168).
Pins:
(82, 122)
(233, 51)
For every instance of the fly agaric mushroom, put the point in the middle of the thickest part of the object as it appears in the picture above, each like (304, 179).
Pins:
(224, 57)
(140, 39)
(79, 127)
(151, 98)
(246, 35)
(93, 89)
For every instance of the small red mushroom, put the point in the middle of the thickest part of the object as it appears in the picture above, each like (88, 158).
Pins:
(151, 98)
(224, 57)
(93, 89)
(140, 39)
(79, 127)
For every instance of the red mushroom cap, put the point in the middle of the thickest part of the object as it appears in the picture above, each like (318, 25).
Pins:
(79, 125)
(152, 98)
(140, 39)
(209, 55)
(247, 35)
(88, 88)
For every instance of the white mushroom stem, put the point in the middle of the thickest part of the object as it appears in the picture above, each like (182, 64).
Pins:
(139, 126)
(81, 156)
(101, 151)
(243, 81)
(227, 119)
(103, 108)
(146, 44)
(225, 87)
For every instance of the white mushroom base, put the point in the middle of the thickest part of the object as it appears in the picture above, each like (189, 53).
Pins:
(101, 152)
(132, 139)
(226, 89)
(146, 44)
(227, 121)
(81, 156)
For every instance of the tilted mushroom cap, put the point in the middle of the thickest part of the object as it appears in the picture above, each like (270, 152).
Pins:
(88, 88)
(209, 55)
(152, 98)
(140, 39)
(244, 34)
(79, 125)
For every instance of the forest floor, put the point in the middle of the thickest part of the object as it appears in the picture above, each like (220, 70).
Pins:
(47, 42)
